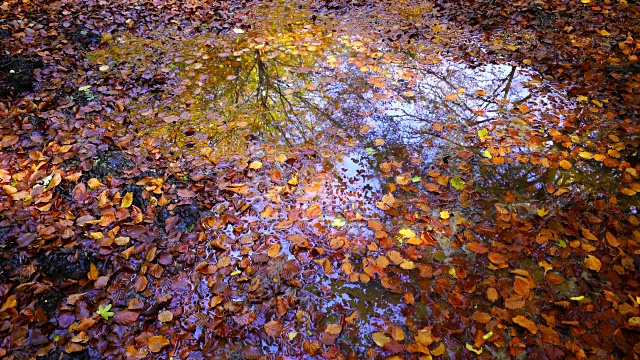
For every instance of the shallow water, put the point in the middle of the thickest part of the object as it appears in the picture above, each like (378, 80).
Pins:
(357, 121)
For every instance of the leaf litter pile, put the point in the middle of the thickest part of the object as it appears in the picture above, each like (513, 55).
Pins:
(335, 179)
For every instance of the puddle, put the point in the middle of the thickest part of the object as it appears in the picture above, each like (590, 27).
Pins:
(396, 143)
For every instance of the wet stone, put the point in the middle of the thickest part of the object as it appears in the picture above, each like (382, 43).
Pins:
(66, 265)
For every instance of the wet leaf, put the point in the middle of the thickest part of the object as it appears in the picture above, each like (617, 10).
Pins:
(273, 328)
(127, 200)
(526, 323)
(338, 222)
(156, 343)
(457, 183)
(165, 316)
(472, 349)
(380, 338)
(592, 263)
(333, 329)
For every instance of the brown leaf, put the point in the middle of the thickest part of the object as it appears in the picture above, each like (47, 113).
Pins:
(333, 329)
(311, 347)
(156, 343)
(314, 210)
(526, 323)
(126, 317)
(481, 317)
(492, 294)
(273, 328)
(244, 319)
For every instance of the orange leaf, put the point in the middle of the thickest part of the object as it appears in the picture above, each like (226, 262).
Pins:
(451, 97)
(497, 259)
(477, 248)
(93, 272)
(592, 263)
(521, 286)
(156, 343)
(526, 323)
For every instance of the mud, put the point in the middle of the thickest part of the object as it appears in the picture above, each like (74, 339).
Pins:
(109, 163)
(86, 38)
(50, 301)
(66, 264)
(17, 74)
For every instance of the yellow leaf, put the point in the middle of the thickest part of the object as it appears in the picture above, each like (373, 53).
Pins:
(470, 348)
(586, 155)
(565, 164)
(444, 214)
(407, 233)
(451, 97)
(542, 211)
(281, 158)
(94, 183)
(238, 31)
(127, 200)
(604, 32)
(380, 339)
(255, 165)
(293, 180)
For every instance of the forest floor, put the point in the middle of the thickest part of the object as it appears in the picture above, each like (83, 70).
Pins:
(356, 179)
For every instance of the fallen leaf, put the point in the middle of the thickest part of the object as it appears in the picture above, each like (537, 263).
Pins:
(156, 343)
(526, 323)
(273, 328)
(380, 338)
(592, 263)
